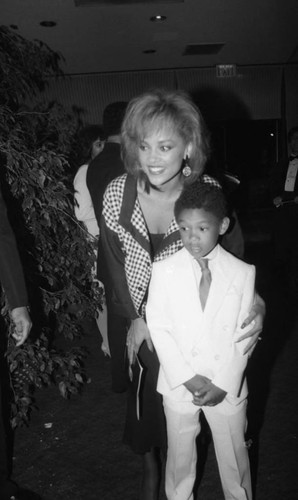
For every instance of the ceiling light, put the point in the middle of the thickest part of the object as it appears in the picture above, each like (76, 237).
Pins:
(47, 24)
(158, 19)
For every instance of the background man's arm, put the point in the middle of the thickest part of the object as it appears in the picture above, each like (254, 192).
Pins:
(12, 278)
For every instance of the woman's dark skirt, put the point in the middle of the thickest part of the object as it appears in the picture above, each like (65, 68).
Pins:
(149, 431)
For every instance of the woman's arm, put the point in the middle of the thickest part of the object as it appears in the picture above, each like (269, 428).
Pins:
(111, 271)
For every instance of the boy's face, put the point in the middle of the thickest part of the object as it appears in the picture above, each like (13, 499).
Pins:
(200, 230)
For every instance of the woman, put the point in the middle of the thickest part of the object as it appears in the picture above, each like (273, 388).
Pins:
(92, 143)
(164, 144)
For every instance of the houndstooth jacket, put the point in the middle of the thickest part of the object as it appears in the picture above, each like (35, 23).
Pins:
(125, 250)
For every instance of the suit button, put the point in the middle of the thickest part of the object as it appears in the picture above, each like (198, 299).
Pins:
(217, 357)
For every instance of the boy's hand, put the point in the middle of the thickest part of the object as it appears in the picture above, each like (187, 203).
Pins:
(210, 395)
(196, 383)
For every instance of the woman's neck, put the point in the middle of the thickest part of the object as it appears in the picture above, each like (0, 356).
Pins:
(158, 205)
(167, 191)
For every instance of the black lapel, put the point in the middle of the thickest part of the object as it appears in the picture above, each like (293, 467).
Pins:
(169, 240)
(127, 208)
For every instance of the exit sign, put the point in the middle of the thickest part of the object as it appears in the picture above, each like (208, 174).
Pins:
(226, 70)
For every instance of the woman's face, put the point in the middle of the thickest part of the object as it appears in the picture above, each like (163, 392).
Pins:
(161, 154)
(97, 147)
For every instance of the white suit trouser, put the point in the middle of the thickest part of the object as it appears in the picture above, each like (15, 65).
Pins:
(227, 429)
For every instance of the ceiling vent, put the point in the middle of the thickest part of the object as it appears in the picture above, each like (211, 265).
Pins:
(78, 3)
(202, 49)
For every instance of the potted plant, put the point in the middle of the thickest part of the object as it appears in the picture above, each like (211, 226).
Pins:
(36, 143)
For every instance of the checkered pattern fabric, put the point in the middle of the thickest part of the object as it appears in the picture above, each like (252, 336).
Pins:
(210, 180)
(174, 246)
(138, 263)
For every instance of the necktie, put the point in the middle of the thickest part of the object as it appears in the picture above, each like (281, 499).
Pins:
(205, 281)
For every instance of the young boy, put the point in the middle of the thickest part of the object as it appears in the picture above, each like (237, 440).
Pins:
(194, 316)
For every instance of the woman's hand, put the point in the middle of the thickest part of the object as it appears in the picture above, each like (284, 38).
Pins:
(255, 317)
(137, 333)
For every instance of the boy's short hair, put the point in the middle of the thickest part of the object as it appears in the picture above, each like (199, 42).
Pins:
(204, 195)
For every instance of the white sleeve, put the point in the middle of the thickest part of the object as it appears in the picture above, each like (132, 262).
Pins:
(83, 208)
(159, 320)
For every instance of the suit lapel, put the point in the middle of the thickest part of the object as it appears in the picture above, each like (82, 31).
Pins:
(188, 298)
(221, 281)
(131, 217)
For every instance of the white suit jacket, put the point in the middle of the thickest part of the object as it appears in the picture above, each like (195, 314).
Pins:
(190, 341)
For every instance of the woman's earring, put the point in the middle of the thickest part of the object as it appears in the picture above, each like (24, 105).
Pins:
(186, 171)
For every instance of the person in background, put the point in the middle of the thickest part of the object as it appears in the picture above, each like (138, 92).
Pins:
(198, 299)
(284, 190)
(109, 164)
(165, 145)
(13, 283)
(101, 171)
(91, 144)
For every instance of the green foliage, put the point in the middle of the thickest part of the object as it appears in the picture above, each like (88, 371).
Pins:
(36, 366)
(36, 140)
(24, 66)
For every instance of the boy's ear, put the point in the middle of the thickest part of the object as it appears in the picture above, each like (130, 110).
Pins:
(224, 225)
